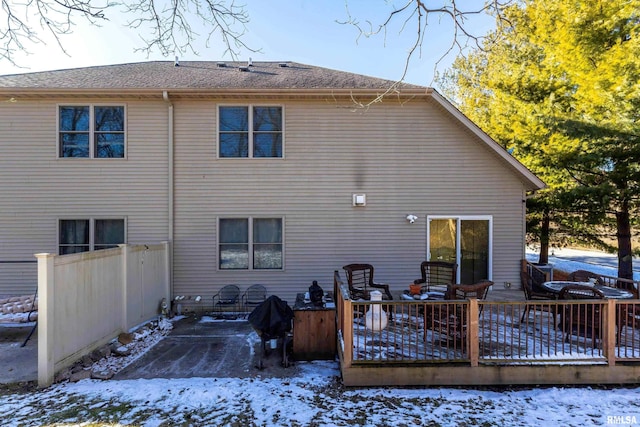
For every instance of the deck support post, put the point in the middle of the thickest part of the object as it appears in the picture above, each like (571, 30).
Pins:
(473, 332)
(610, 335)
(347, 332)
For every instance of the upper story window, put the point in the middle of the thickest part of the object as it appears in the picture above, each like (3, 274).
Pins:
(81, 235)
(250, 131)
(91, 131)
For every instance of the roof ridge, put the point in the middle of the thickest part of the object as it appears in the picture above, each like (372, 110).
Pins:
(198, 74)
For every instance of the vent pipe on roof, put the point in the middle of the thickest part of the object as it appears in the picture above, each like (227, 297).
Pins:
(176, 62)
(250, 64)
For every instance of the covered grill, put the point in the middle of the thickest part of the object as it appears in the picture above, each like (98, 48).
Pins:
(272, 321)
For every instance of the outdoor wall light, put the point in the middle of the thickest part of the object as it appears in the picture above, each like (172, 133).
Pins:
(411, 218)
(359, 200)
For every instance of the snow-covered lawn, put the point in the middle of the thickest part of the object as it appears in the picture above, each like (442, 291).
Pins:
(563, 259)
(314, 398)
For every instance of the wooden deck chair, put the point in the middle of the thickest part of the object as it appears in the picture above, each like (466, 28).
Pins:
(584, 276)
(536, 295)
(450, 320)
(436, 275)
(360, 281)
(583, 319)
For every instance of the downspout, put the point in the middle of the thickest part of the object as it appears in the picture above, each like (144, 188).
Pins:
(170, 186)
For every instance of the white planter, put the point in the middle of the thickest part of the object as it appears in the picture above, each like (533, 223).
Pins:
(376, 318)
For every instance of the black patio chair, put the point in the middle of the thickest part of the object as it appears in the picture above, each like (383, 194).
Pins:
(253, 297)
(227, 297)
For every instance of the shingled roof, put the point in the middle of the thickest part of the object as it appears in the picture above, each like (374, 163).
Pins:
(166, 75)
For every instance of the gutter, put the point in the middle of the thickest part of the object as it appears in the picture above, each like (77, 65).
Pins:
(170, 187)
(209, 92)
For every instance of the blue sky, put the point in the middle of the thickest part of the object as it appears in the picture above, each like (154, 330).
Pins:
(303, 31)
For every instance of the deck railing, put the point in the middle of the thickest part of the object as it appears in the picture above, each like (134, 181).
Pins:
(476, 332)
(619, 282)
(540, 275)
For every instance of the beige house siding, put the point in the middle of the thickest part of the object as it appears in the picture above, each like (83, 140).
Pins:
(412, 158)
(407, 158)
(38, 188)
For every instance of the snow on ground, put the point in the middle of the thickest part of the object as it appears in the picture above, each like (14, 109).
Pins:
(315, 398)
(563, 259)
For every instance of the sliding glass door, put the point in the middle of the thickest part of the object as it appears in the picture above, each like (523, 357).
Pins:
(463, 240)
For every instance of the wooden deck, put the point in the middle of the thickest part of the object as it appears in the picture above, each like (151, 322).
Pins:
(495, 348)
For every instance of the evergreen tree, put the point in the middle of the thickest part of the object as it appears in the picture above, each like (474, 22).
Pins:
(560, 89)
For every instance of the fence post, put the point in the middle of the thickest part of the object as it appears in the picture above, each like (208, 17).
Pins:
(125, 285)
(473, 332)
(46, 318)
(610, 335)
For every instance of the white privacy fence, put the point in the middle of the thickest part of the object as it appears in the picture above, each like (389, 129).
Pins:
(87, 299)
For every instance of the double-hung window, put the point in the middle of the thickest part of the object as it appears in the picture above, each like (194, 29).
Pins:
(81, 235)
(91, 131)
(250, 131)
(250, 244)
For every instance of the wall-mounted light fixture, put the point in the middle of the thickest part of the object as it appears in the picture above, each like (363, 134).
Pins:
(412, 218)
(359, 200)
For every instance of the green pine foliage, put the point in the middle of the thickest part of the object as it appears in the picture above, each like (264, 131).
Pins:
(559, 87)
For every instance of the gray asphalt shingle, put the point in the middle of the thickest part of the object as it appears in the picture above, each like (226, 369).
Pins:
(196, 75)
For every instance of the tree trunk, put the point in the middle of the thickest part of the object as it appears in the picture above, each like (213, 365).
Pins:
(544, 238)
(625, 267)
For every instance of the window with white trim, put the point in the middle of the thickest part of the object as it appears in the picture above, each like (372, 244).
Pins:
(250, 243)
(250, 131)
(81, 235)
(91, 131)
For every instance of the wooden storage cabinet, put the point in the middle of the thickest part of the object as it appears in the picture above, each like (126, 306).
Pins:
(314, 334)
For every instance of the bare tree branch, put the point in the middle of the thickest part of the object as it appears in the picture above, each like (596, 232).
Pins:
(54, 17)
(417, 13)
(164, 25)
(172, 31)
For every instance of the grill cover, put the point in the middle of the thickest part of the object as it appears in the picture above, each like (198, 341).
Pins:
(272, 318)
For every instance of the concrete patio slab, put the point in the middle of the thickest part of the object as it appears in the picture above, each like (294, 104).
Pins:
(194, 348)
(17, 363)
(209, 349)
